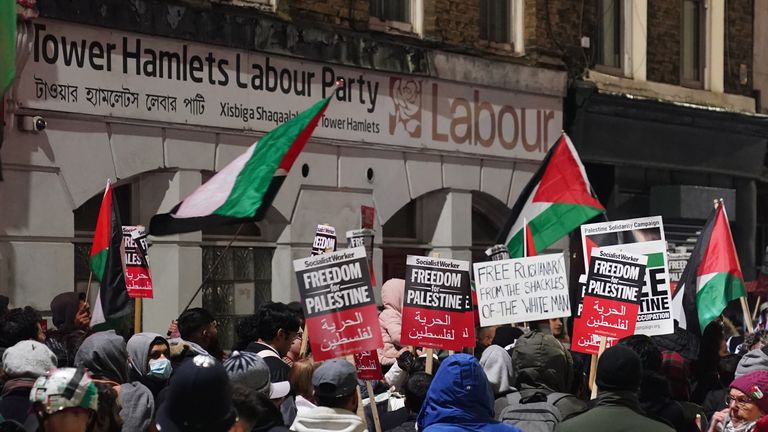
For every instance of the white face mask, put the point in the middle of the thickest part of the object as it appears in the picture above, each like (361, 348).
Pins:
(160, 368)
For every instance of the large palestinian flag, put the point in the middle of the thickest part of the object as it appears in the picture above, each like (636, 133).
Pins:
(7, 43)
(244, 189)
(107, 262)
(554, 202)
(712, 277)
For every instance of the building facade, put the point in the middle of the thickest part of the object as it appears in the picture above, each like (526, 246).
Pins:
(435, 127)
(447, 108)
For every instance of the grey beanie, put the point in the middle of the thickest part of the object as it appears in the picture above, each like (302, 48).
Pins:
(755, 360)
(29, 359)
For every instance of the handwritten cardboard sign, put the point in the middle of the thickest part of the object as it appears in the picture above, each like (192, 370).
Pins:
(640, 236)
(523, 289)
(338, 303)
(612, 298)
(368, 366)
(138, 280)
(437, 309)
(325, 240)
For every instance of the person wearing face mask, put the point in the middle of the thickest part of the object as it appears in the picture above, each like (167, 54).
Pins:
(149, 360)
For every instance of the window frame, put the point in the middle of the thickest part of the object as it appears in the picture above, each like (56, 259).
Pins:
(702, 45)
(516, 22)
(621, 30)
(413, 26)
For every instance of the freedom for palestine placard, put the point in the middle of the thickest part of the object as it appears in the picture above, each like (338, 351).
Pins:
(338, 303)
(437, 309)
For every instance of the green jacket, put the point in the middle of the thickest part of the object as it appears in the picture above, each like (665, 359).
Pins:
(614, 412)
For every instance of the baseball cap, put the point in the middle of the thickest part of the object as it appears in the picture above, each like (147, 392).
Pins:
(199, 399)
(250, 370)
(65, 388)
(335, 378)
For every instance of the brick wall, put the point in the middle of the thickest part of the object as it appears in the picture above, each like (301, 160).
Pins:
(453, 22)
(739, 33)
(663, 58)
(344, 13)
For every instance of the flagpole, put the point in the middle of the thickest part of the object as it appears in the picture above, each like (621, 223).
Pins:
(743, 300)
(213, 268)
(525, 238)
(88, 290)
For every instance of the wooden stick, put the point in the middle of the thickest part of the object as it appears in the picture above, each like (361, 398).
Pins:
(360, 408)
(757, 308)
(747, 315)
(592, 372)
(374, 406)
(88, 290)
(137, 315)
(304, 341)
(430, 361)
(603, 341)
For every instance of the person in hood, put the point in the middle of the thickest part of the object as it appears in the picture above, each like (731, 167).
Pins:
(335, 383)
(497, 365)
(617, 407)
(655, 394)
(747, 402)
(23, 363)
(149, 357)
(105, 355)
(199, 399)
(544, 366)
(72, 319)
(459, 399)
(390, 320)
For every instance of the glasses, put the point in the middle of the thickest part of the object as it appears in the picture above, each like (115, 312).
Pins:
(741, 402)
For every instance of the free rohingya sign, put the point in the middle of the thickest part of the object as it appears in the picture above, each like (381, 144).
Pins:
(437, 309)
(88, 70)
(338, 303)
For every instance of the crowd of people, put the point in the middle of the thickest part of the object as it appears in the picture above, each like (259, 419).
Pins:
(73, 379)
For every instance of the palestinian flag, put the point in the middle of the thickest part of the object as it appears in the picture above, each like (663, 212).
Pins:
(556, 201)
(7, 43)
(107, 262)
(530, 246)
(243, 191)
(712, 277)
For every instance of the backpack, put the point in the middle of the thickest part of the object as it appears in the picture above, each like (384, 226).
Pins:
(536, 413)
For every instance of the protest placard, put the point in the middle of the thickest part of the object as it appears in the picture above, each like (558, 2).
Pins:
(325, 240)
(612, 298)
(138, 281)
(639, 236)
(367, 217)
(338, 303)
(522, 289)
(368, 366)
(437, 309)
(363, 237)
(584, 341)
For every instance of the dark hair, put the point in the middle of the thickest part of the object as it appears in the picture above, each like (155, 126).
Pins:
(255, 408)
(107, 418)
(18, 325)
(247, 331)
(273, 317)
(420, 365)
(297, 309)
(194, 321)
(416, 389)
(752, 339)
(335, 402)
(646, 349)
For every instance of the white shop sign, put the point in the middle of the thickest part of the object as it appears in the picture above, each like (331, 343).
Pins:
(98, 71)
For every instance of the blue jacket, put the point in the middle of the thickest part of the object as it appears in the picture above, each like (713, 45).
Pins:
(460, 399)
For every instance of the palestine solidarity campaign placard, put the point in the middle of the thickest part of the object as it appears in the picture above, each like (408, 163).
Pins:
(338, 303)
(437, 309)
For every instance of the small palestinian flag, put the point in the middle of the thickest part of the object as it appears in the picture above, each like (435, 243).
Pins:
(243, 191)
(7, 43)
(529, 246)
(712, 277)
(554, 202)
(107, 262)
